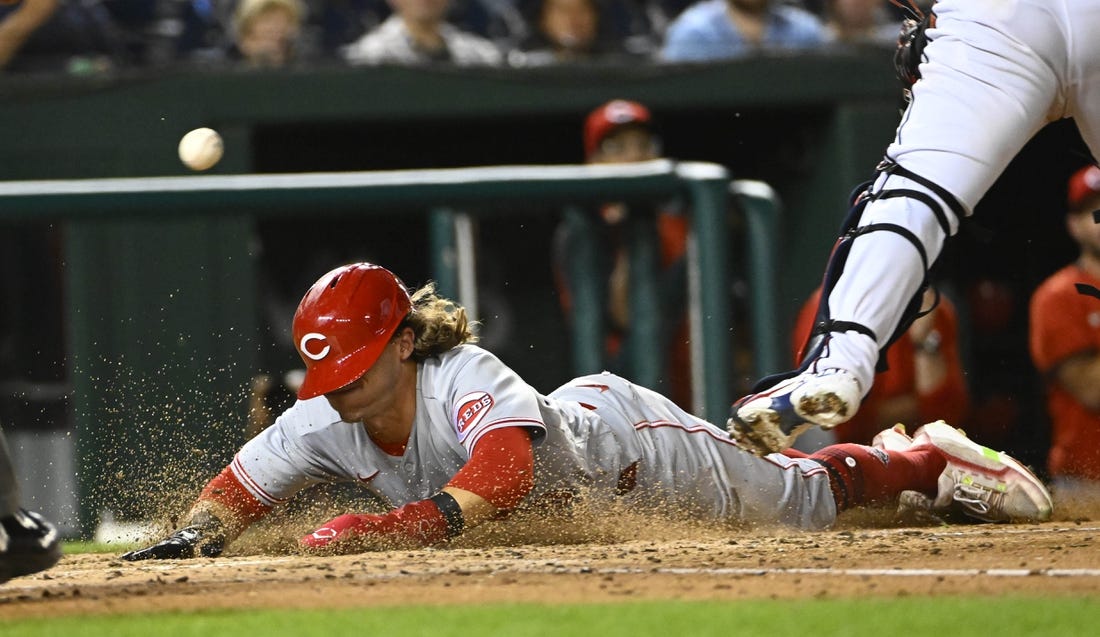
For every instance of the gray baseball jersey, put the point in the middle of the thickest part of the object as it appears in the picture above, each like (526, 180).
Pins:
(585, 435)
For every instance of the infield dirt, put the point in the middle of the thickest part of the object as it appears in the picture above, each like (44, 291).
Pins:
(613, 560)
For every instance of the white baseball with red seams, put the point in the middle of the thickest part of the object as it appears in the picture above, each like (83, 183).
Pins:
(585, 434)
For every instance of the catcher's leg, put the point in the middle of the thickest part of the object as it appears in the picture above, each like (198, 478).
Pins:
(954, 140)
(893, 234)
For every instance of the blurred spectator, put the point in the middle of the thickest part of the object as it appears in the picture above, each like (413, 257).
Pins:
(718, 29)
(860, 22)
(266, 31)
(924, 380)
(620, 131)
(569, 31)
(564, 31)
(418, 33)
(341, 22)
(73, 36)
(18, 22)
(1065, 345)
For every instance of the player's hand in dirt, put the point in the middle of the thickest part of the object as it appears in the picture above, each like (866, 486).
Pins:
(415, 524)
(184, 543)
(340, 530)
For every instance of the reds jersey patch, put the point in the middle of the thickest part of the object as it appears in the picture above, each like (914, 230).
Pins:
(471, 410)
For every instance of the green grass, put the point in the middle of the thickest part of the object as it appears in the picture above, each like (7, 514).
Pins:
(911, 617)
(73, 547)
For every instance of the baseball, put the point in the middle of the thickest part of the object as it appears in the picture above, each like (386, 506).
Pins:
(201, 148)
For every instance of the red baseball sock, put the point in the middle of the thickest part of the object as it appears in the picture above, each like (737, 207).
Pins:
(861, 475)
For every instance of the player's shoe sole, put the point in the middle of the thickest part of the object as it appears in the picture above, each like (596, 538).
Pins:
(770, 421)
(987, 485)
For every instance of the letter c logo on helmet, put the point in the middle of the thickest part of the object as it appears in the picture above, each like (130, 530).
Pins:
(314, 336)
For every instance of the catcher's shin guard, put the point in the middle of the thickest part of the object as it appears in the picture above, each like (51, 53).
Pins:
(824, 324)
(851, 230)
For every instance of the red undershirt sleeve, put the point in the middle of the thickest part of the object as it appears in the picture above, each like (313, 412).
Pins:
(227, 490)
(500, 469)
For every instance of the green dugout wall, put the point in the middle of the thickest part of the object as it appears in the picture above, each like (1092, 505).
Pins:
(811, 126)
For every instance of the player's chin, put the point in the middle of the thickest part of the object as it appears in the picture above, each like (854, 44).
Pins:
(353, 417)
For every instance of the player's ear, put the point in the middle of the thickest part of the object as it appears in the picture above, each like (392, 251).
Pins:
(406, 342)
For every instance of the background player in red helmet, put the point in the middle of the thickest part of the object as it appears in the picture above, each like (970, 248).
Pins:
(622, 131)
(399, 399)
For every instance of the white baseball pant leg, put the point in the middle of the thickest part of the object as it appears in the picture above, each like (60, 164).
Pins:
(997, 72)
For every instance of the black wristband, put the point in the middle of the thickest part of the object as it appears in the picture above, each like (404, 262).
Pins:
(452, 513)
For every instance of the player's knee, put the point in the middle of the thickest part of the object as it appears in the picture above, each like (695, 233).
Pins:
(916, 215)
(917, 196)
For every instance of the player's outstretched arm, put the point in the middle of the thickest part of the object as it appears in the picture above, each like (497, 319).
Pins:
(414, 525)
(497, 476)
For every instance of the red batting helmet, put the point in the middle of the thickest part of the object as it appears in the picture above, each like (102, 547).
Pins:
(1083, 186)
(344, 322)
(610, 116)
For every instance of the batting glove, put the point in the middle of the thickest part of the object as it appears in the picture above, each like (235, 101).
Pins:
(181, 545)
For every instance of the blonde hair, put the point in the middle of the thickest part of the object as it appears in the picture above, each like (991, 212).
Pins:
(248, 10)
(439, 324)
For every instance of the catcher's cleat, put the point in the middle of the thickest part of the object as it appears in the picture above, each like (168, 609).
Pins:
(770, 420)
(987, 485)
(28, 544)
